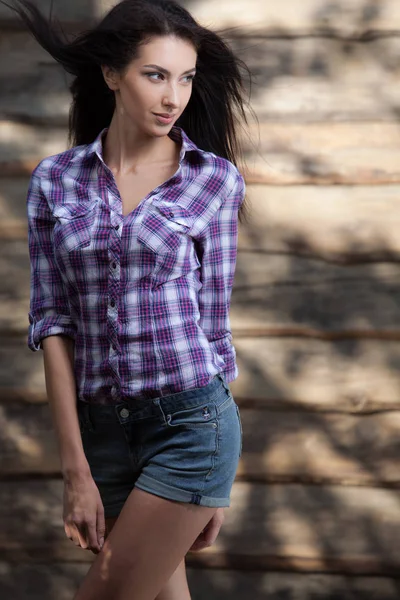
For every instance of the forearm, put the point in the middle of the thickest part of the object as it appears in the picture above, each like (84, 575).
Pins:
(58, 353)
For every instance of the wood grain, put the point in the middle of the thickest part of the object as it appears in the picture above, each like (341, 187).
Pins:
(324, 153)
(305, 79)
(272, 295)
(338, 224)
(61, 581)
(275, 153)
(351, 376)
(290, 527)
(356, 376)
(278, 446)
(350, 18)
(343, 224)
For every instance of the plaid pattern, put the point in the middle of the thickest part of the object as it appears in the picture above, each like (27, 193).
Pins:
(145, 296)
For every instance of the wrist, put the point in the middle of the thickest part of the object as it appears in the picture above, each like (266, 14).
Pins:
(75, 472)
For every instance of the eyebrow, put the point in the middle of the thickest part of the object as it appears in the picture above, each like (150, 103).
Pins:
(166, 72)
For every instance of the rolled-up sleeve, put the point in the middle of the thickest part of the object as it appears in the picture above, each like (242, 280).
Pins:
(49, 312)
(217, 253)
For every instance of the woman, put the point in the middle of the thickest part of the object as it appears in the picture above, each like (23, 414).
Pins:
(132, 241)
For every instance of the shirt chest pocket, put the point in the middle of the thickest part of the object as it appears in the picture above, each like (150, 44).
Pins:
(164, 235)
(163, 229)
(73, 229)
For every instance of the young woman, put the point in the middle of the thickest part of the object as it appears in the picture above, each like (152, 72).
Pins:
(132, 241)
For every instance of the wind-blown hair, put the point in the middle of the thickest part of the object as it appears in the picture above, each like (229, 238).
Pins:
(216, 108)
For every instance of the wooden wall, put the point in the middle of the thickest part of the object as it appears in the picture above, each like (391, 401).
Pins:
(315, 311)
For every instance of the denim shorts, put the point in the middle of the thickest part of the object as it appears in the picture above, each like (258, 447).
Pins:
(184, 446)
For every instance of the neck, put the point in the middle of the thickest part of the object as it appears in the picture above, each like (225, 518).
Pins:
(127, 148)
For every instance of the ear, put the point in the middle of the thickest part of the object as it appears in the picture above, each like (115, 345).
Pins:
(111, 77)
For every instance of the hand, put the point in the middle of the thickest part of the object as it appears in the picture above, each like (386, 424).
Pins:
(83, 514)
(210, 533)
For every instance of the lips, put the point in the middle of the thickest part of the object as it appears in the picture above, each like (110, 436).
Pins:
(165, 115)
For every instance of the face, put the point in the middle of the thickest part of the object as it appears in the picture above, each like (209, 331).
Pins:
(158, 81)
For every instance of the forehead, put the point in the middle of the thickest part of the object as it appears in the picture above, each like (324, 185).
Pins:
(167, 51)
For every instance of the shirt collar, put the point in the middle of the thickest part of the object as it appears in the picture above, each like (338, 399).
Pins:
(176, 133)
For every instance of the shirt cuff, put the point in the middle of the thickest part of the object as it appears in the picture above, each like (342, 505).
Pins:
(51, 325)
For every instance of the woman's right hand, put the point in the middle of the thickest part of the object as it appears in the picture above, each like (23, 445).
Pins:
(83, 513)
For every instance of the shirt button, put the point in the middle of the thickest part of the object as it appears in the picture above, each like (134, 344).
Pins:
(112, 303)
(124, 413)
(114, 265)
(116, 226)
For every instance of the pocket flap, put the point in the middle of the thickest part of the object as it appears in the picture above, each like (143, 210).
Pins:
(73, 210)
(176, 213)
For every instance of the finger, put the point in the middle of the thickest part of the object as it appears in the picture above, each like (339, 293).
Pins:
(67, 530)
(91, 534)
(75, 537)
(82, 535)
(101, 526)
(211, 532)
(71, 533)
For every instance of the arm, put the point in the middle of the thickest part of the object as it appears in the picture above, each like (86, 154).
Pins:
(218, 249)
(60, 387)
(51, 329)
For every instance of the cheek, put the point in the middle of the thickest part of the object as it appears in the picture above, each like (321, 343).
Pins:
(135, 98)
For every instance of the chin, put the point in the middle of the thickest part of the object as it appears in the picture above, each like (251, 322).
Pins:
(161, 130)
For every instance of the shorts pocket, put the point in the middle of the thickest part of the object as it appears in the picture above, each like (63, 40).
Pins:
(203, 415)
(241, 429)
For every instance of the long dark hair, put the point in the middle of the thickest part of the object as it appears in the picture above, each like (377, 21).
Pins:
(216, 108)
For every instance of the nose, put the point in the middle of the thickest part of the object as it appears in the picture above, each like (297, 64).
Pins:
(171, 96)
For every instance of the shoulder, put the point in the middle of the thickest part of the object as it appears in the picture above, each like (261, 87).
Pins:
(214, 192)
(221, 174)
(56, 165)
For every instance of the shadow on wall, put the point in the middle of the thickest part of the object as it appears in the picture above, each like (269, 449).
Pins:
(283, 66)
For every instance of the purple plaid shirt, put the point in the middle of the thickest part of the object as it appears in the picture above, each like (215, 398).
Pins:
(145, 296)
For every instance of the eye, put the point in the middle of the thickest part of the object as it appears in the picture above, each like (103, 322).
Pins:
(189, 78)
(154, 73)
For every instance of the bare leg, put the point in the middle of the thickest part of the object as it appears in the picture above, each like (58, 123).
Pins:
(176, 587)
(144, 549)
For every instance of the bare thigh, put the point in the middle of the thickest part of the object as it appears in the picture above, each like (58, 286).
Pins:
(143, 550)
(176, 587)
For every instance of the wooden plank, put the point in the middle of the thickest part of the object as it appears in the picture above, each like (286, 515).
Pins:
(284, 294)
(217, 584)
(278, 446)
(322, 153)
(61, 581)
(291, 527)
(343, 224)
(274, 295)
(55, 580)
(74, 11)
(339, 224)
(22, 146)
(28, 444)
(346, 18)
(290, 153)
(357, 376)
(305, 79)
(292, 446)
(352, 376)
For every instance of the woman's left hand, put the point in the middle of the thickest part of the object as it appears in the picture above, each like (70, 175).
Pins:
(210, 532)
